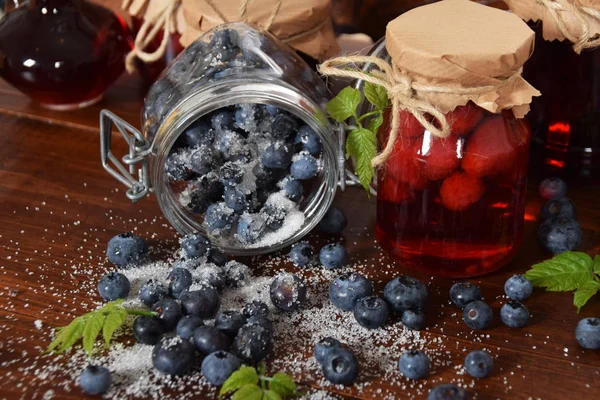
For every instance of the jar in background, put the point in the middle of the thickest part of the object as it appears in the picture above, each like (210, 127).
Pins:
(565, 121)
(214, 125)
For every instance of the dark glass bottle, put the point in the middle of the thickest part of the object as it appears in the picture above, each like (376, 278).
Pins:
(62, 53)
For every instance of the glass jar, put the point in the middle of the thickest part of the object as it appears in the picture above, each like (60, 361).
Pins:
(453, 207)
(229, 115)
(565, 121)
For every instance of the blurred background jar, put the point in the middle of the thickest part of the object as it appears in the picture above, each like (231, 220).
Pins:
(62, 53)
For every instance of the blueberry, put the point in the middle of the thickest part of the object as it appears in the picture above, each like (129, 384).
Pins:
(479, 364)
(415, 319)
(231, 174)
(447, 391)
(560, 234)
(127, 249)
(334, 221)
(477, 315)
(202, 303)
(302, 254)
(371, 312)
(207, 190)
(284, 127)
(309, 140)
(266, 178)
(224, 44)
(346, 289)
(255, 308)
(587, 333)
(173, 356)
(179, 279)
(517, 287)
(151, 292)
(240, 155)
(245, 116)
(333, 256)
(113, 286)
(227, 141)
(235, 273)
(195, 245)
(272, 110)
(217, 257)
(288, 292)
(304, 167)
(462, 293)
(340, 366)
(187, 325)
(176, 167)
(277, 156)
(552, 188)
(217, 367)
(229, 322)
(274, 216)
(235, 199)
(95, 379)
(195, 50)
(514, 314)
(251, 227)
(252, 343)
(293, 189)
(414, 364)
(323, 347)
(218, 218)
(405, 293)
(560, 207)
(147, 330)
(165, 102)
(209, 339)
(169, 313)
(201, 160)
(199, 134)
(210, 275)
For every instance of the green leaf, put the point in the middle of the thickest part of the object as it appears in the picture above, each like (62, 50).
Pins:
(375, 123)
(567, 271)
(241, 377)
(596, 265)
(362, 145)
(67, 336)
(343, 106)
(93, 326)
(112, 322)
(248, 392)
(271, 395)
(283, 384)
(376, 95)
(584, 293)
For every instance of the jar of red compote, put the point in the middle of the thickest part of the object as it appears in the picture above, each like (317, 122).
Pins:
(234, 142)
(454, 205)
(565, 121)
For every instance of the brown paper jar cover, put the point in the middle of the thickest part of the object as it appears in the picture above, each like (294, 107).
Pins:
(532, 10)
(462, 44)
(147, 9)
(310, 20)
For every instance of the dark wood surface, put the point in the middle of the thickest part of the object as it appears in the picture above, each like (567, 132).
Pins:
(58, 209)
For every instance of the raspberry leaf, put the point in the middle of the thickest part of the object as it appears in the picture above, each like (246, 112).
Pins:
(112, 322)
(245, 376)
(596, 265)
(343, 106)
(93, 326)
(283, 384)
(375, 123)
(362, 145)
(583, 294)
(376, 95)
(248, 392)
(567, 271)
(67, 336)
(271, 395)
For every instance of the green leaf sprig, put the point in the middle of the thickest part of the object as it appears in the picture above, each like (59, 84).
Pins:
(88, 326)
(362, 139)
(566, 272)
(249, 384)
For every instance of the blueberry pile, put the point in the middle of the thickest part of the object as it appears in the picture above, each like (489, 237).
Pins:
(559, 230)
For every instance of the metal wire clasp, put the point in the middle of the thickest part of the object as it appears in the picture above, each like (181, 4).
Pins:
(139, 149)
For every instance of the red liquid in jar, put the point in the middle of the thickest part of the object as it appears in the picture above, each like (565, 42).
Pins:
(63, 53)
(473, 225)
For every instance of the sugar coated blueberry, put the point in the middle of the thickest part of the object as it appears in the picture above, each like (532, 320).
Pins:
(304, 167)
(346, 289)
(202, 303)
(252, 343)
(230, 322)
(309, 140)
(173, 356)
(288, 292)
(195, 245)
(277, 156)
(251, 227)
(113, 286)
(152, 291)
(180, 279)
(127, 249)
(217, 367)
(302, 254)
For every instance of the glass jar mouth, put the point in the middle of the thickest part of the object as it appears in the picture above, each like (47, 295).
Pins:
(251, 88)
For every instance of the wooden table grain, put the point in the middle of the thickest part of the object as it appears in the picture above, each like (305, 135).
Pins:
(58, 209)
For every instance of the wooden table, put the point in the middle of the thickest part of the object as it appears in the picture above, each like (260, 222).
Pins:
(59, 208)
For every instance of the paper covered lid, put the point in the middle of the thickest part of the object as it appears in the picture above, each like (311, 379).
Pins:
(459, 44)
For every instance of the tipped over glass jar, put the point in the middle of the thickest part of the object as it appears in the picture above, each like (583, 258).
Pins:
(234, 142)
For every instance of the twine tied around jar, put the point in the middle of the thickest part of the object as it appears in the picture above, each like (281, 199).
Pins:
(587, 39)
(161, 20)
(267, 27)
(405, 94)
